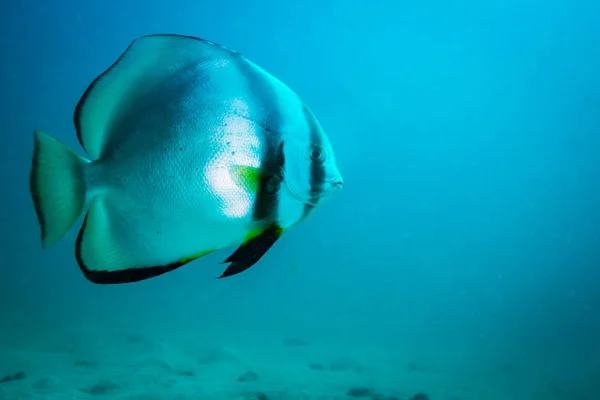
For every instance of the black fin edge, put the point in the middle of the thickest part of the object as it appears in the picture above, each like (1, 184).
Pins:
(122, 276)
(251, 251)
(33, 180)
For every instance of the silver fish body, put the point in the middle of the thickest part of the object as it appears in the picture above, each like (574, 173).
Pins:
(193, 149)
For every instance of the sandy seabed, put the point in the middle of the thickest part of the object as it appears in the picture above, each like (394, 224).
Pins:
(111, 363)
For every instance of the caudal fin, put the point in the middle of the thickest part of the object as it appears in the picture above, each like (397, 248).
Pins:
(57, 186)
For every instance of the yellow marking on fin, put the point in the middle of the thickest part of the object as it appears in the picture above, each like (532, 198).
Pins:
(252, 234)
(247, 177)
(257, 232)
(185, 260)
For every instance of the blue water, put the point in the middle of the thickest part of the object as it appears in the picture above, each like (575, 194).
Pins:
(461, 259)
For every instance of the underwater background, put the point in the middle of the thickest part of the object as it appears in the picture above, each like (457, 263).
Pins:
(460, 262)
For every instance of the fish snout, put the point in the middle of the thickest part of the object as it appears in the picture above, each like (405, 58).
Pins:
(337, 183)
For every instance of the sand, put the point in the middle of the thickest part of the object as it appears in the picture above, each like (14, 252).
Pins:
(111, 362)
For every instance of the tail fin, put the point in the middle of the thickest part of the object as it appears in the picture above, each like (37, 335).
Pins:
(57, 187)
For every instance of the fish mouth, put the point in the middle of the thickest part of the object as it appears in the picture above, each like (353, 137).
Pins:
(337, 183)
(335, 186)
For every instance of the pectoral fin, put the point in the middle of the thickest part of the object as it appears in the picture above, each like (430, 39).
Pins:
(252, 250)
(247, 177)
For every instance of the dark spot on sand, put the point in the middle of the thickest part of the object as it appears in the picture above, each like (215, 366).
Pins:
(14, 377)
(134, 337)
(369, 393)
(83, 363)
(361, 391)
(255, 396)
(343, 364)
(248, 376)
(101, 388)
(316, 366)
(213, 356)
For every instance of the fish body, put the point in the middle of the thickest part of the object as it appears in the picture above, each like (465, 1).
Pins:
(192, 148)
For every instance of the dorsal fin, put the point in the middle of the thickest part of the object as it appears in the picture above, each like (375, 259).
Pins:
(148, 61)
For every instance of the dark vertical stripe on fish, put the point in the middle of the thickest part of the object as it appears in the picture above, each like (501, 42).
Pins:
(317, 169)
(267, 196)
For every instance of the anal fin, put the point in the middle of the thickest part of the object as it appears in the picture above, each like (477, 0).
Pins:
(108, 253)
(252, 250)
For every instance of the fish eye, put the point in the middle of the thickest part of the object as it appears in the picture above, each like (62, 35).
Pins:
(317, 153)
